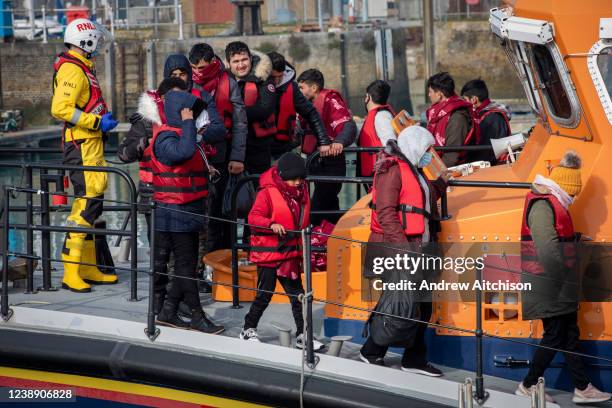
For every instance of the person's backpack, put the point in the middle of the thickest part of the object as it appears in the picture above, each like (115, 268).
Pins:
(244, 198)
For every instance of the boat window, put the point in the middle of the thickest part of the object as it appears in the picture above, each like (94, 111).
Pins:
(556, 86)
(517, 55)
(604, 63)
(600, 67)
(553, 89)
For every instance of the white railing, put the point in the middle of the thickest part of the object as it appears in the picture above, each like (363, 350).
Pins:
(41, 23)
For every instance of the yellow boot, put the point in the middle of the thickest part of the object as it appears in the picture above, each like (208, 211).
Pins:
(72, 281)
(91, 274)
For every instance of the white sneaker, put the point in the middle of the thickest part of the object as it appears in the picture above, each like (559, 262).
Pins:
(589, 394)
(316, 345)
(249, 335)
(526, 392)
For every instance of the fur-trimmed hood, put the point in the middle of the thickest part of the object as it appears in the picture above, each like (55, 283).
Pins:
(148, 108)
(261, 68)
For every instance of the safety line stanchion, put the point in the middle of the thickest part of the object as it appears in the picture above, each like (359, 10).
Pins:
(151, 331)
(4, 308)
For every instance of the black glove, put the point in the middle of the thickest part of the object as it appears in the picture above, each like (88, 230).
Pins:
(136, 117)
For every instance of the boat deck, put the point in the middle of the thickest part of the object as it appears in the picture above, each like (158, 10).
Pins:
(112, 301)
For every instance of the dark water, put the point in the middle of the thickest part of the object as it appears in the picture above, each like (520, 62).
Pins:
(117, 190)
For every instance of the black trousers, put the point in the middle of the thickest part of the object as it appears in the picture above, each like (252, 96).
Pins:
(218, 234)
(560, 332)
(145, 195)
(415, 356)
(184, 247)
(266, 280)
(325, 195)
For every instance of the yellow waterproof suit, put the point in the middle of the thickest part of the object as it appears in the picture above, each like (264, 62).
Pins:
(77, 100)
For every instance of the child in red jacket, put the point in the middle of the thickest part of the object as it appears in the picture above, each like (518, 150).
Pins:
(281, 207)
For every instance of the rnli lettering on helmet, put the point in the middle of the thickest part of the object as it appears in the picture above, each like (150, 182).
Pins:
(85, 26)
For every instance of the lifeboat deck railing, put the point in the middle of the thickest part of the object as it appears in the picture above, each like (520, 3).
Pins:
(46, 178)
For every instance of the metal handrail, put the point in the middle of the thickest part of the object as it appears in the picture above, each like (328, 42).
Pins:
(41, 150)
(356, 149)
(46, 229)
(109, 20)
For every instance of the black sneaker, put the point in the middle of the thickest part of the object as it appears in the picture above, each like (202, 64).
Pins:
(379, 361)
(184, 311)
(427, 369)
(201, 322)
(168, 317)
(316, 344)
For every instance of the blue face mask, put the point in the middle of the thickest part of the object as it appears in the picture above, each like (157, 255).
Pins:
(425, 159)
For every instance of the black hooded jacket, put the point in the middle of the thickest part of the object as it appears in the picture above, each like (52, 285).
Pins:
(303, 107)
(266, 99)
(179, 61)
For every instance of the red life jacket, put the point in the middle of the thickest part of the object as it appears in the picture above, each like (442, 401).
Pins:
(146, 172)
(180, 183)
(266, 246)
(266, 127)
(95, 104)
(224, 104)
(563, 226)
(196, 91)
(369, 138)
(286, 116)
(438, 116)
(487, 108)
(410, 209)
(309, 142)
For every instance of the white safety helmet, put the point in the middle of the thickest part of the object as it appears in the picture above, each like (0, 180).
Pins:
(87, 35)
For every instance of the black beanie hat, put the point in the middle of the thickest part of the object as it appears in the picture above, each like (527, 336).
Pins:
(291, 166)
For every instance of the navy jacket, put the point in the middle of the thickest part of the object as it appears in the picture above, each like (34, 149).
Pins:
(170, 149)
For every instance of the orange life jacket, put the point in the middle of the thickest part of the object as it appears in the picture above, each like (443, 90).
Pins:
(563, 226)
(266, 127)
(286, 116)
(181, 183)
(266, 246)
(369, 138)
(410, 209)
